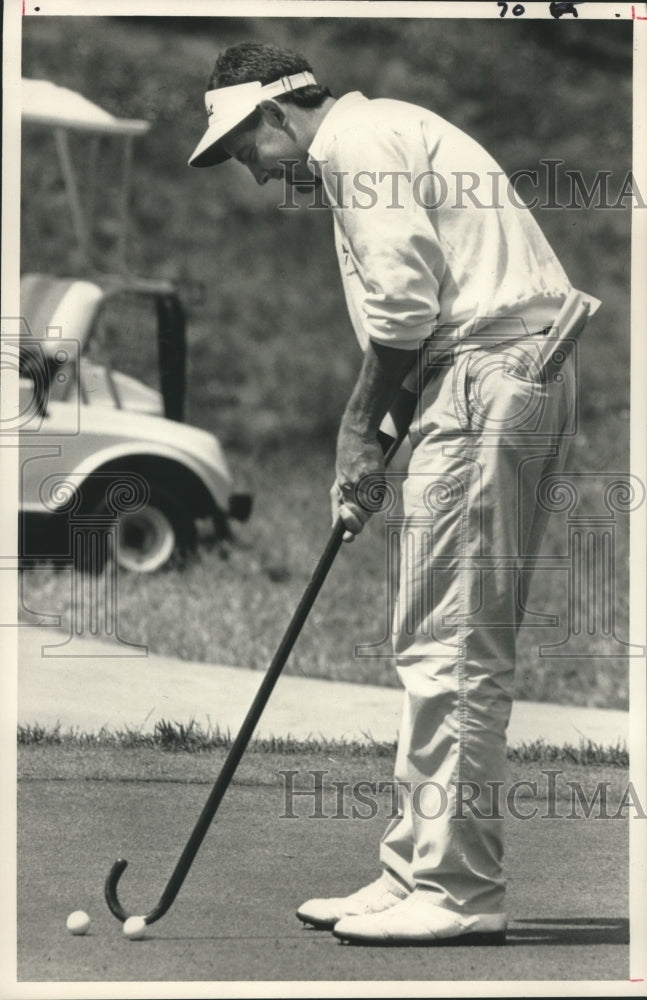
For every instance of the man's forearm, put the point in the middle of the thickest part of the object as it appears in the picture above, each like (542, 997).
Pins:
(383, 371)
(359, 455)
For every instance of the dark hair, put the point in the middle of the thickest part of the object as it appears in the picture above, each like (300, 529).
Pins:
(267, 63)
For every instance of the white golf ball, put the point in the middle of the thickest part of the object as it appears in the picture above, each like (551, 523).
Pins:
(135, 928)
(78, 922)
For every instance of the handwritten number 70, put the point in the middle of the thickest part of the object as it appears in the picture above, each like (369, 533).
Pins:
(557, 10)
(517, 10)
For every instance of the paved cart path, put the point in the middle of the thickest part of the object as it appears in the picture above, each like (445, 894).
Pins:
(86, 685)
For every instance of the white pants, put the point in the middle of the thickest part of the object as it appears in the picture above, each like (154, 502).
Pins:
(484, 438)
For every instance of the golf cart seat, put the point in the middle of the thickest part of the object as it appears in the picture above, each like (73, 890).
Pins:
(58, 309)
(68, 305)
(56, 313)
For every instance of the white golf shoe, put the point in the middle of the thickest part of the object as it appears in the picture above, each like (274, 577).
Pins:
(373, 898)
(416, 921)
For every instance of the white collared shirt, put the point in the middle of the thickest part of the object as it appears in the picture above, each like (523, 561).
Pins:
(416, 252)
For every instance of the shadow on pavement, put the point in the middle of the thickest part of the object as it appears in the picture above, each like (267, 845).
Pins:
(586, 930)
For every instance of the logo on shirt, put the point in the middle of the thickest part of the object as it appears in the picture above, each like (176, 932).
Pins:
(347, 262)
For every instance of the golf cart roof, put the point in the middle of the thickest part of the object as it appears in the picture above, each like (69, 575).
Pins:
(45, 103)
(65, 114)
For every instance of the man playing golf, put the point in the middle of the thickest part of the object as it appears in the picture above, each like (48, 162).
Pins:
(458, 298)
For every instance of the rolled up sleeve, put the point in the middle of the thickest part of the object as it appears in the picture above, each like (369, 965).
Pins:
(394, 264)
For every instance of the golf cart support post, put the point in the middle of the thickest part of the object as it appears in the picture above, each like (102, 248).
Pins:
(62, 110)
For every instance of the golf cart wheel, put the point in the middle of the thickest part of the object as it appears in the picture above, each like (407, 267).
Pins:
(158, 536)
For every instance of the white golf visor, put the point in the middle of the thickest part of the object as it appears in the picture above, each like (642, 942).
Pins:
(229, 106)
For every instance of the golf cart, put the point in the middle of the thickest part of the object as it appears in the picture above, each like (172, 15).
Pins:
(102, 387)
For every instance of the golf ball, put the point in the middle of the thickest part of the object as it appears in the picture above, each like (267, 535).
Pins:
(135, 928)
(78, 922)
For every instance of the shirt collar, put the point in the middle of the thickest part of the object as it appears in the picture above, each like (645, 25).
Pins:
(326, 130)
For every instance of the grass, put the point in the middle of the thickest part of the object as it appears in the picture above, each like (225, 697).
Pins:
(271, 354)
(192, 738)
